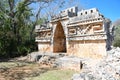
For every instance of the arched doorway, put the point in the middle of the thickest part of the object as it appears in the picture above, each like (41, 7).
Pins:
(59, 39)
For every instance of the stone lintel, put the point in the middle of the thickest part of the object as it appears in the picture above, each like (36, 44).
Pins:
(84, 22)
(88, 37)
(42, 30)
(59, 19)
(42, 40)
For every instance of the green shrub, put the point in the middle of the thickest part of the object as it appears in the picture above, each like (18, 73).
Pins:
(116, 41)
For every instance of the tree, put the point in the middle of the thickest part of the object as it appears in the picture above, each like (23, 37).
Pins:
(15, 26)
(116, 42)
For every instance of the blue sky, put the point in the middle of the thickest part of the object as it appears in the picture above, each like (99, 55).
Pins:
(109, 8)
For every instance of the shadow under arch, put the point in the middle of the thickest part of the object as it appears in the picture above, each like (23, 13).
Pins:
(59, 39)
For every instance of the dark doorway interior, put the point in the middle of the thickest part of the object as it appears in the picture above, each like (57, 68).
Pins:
(59, 40)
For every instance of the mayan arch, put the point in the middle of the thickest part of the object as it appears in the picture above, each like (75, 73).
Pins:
(84, 33)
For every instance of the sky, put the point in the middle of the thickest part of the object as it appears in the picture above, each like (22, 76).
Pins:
(109, 8)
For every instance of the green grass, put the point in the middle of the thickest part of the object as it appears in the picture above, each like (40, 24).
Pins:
(13, 64)
(50, 74)
(7, 64)
(54, 75)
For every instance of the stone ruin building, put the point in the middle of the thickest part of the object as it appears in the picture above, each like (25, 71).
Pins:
(84, 33)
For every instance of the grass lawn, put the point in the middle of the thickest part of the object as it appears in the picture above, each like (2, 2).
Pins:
(32, 71)
(54, 75)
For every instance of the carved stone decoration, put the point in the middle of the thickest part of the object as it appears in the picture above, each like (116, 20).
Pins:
(84, 33)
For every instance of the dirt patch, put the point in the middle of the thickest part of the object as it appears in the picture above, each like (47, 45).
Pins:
(20, 72)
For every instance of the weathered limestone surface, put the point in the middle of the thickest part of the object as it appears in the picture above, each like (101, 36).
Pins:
(70, 62)
(85, 33)
(107, 69)
(45, 47)
(84, 49)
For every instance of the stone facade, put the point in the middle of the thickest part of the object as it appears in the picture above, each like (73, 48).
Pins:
(84, 33)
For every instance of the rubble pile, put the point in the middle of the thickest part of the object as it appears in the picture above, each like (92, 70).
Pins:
(45, 58)
(107, 69)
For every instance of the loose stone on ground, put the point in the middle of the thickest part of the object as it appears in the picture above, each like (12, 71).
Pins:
(106, 69)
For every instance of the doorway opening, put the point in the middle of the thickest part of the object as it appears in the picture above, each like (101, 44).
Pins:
(59, 39)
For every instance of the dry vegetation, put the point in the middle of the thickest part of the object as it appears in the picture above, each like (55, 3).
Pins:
(20, 70)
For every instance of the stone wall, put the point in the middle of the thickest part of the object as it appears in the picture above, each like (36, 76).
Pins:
(90, 48)
(86, 34)
(45, 47)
